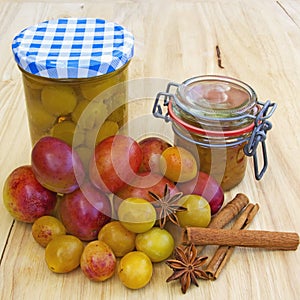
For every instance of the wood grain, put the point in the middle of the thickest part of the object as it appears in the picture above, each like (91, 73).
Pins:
(259, 43)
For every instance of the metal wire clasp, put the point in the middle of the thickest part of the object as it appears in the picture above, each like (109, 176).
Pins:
(157, 110)
(259, 135)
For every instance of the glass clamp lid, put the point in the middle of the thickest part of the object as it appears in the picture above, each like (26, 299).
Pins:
(213, 103)
(206, 98)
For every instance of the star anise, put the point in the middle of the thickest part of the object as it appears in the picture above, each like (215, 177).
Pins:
(186, 266)
(167, 206)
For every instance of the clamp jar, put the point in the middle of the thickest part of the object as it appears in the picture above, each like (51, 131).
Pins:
(65, 64)
(219, 119)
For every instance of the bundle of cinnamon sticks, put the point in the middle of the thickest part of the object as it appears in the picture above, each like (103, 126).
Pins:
(243, 212)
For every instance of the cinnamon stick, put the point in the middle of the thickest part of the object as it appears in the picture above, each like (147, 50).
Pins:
(226, 214)
(229, 211)
(272, 240)
(223, 253)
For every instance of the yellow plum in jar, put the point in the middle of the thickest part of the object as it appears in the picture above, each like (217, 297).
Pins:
(39, 117)
(64, 131)
(58, 99)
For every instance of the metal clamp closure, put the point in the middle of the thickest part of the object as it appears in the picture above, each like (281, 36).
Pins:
(157, 110)
(259, 135)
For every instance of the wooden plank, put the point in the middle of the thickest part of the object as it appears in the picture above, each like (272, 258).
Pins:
(175, 40)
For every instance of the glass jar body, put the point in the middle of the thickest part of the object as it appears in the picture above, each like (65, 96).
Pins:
(222, 157)
(221, 121)
(55, 106)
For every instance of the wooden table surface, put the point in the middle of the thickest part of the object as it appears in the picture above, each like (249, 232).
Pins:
(259, 42)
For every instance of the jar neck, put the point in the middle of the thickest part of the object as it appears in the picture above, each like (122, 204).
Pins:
(204, 140)
(92, 79)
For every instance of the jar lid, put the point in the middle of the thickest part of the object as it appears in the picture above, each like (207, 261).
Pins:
(214, 103)
(215, 97)
(73, 48)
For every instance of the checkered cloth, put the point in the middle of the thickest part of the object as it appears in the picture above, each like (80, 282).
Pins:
(73, 48)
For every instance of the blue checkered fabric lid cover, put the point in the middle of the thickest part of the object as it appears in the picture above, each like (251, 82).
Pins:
(73, 48)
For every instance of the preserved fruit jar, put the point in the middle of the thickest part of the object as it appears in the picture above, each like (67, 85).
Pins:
(70, 66)
(221, 121)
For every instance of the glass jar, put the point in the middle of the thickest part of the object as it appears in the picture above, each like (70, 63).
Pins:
(220, 120)
(66, 64)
